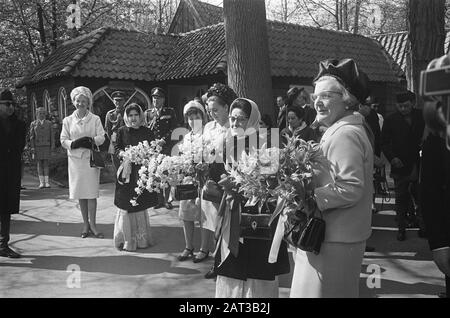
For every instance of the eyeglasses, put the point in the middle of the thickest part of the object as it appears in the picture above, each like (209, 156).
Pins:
(325, 95)
(239, 119)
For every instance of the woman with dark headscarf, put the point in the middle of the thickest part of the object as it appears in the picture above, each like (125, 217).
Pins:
(344, 189)
(241, 263)
(132, 223)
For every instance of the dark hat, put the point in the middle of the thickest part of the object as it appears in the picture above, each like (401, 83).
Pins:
(6, 95)
(348, 74)
(405, 96)
(158, 91)
(225, 92)
(118, 94)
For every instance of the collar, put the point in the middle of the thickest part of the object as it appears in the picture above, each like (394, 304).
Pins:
(353, 119)
(85, 119)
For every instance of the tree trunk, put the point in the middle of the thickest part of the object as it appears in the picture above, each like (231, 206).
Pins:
(41, 29)
(426, 21)
(338, 25)
(54, 42)
(345, 14)
(247, 48)
(356, 22)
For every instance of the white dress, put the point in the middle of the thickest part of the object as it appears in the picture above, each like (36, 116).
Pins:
(216, 133)
(83, 180)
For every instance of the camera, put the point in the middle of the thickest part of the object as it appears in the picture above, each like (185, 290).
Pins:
(435, 89)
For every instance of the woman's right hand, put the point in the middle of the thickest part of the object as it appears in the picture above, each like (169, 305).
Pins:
(226, 183)
(83, 142)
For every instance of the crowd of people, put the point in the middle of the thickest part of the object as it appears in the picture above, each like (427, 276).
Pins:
(339, 114)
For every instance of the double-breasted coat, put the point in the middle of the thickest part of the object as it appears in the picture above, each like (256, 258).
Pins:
(162, 122)
(12, 142)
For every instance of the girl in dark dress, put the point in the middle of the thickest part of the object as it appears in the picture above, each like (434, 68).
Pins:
(242, 264)
(132, 223)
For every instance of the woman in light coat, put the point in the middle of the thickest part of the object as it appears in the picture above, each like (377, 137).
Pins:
(42, 144)
(80, 132)
(344, 190)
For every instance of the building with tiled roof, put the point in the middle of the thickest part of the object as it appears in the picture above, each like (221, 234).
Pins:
(397, 45)
(186, 64)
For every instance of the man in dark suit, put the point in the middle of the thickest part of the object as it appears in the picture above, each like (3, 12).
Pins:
(12, 143)
(400, 141)
(162, 121)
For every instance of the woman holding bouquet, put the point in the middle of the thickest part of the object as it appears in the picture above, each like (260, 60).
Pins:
(242, 263)
(189, 212)
(344, 190)
(218, 100)
(132, 223)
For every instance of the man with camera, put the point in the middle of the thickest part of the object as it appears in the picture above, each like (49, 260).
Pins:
(435, 170)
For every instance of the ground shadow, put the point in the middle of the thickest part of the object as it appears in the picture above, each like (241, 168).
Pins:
(118, 265)
(390, 288)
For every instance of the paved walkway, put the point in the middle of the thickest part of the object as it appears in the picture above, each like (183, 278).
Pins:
(47, 234)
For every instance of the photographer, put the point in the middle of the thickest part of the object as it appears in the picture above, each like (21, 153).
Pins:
(435, 175)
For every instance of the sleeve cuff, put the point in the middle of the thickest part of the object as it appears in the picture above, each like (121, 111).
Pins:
(441, 248)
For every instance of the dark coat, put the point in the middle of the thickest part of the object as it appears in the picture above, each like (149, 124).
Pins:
(12, 142)
(306, 134)
(252, 259)
(124, 193)
(435, 191)
(401, 140)
(374, 124)
(162, 126)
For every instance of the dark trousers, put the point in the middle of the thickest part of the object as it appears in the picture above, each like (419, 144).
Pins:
(447, 286)
(5, 224)
(406, 201)
(115, 162)
(163, 196)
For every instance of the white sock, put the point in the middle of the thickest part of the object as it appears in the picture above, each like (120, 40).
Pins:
(41, 180)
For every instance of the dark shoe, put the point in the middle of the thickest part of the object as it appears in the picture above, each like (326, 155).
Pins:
(421, 233)
(84, 234)
(169, 206)
(7, 252)
(159, 206)
(401, 235)
(97, 235)
(211, 274)
(201, 259)
(186, 254)
(370, 249)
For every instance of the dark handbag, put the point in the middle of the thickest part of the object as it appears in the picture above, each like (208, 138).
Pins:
(212, 192)
(186, 192)
(96, 160)
(304, 232)
(256, 226)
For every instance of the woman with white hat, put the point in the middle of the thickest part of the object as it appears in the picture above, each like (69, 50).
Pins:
(80, 132)
(189, 212)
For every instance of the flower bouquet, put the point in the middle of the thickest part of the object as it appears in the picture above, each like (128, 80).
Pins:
(254, 176)
(298, 223)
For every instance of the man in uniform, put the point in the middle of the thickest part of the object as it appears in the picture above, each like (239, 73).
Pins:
(162, 121)
(113, 121)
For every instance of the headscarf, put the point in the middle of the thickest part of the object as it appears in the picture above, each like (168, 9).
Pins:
(253, 119)
(141, 115)
(84, 91)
